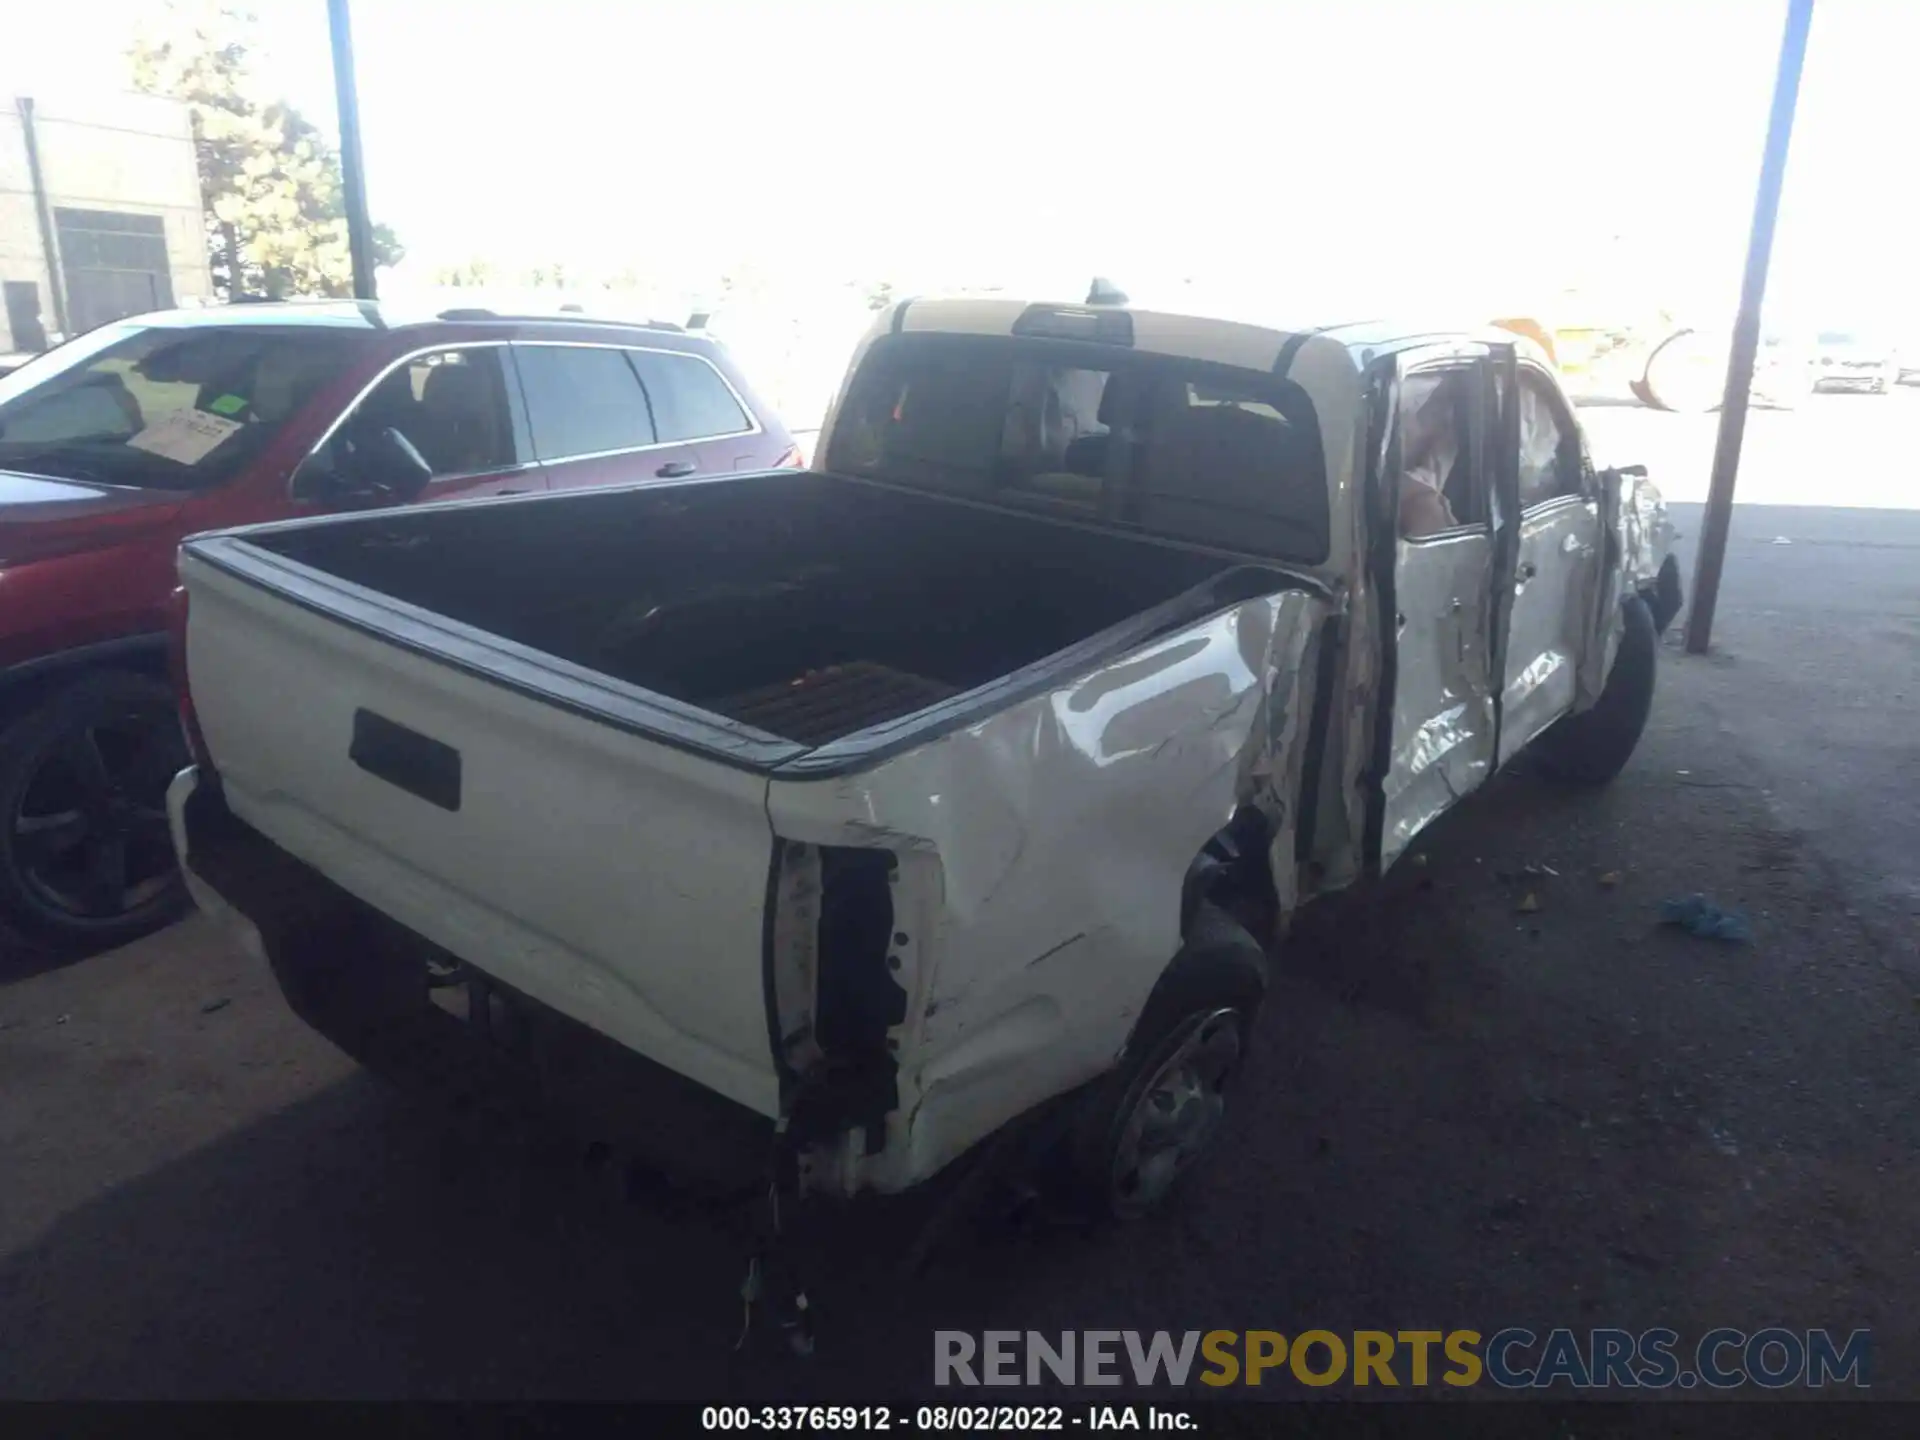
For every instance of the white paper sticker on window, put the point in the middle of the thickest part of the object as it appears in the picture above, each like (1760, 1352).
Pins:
(187, 435)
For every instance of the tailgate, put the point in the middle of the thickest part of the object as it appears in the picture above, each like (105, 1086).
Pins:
(616, 878)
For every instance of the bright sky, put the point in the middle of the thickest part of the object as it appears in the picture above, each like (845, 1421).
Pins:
(1325, 157)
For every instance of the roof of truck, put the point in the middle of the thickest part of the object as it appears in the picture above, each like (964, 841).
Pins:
(1198, 337)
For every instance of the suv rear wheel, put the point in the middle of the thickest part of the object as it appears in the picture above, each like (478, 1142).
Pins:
(86, 861)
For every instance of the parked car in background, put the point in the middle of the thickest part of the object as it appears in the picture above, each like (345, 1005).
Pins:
(1848, 360)
(116, 445)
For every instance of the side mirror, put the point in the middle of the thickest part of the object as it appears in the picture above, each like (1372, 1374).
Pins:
(381, 467)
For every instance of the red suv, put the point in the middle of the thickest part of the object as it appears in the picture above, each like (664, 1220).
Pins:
(122, 441)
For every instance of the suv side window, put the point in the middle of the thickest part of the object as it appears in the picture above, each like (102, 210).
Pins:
(690, 400)
(451, 405)
(583, 400)
(1549, 448)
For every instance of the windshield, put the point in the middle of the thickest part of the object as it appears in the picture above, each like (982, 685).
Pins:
(1204, 453)
(164, 407)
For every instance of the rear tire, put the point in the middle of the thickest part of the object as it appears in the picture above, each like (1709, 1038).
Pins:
(1594, 746)
(1142, 1127)
(86, 860)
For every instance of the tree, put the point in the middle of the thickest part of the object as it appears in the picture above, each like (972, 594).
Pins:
(270, 184)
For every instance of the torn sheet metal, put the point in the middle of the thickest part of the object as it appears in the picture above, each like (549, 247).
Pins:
(1641, 536)
(1043, 852)
(1442, 744)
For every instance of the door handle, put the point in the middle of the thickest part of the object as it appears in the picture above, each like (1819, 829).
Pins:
(1528, 570)
(673, 470)
(513, 492)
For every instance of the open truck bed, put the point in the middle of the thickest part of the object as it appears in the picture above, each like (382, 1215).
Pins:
(611, 747)
(803, 609)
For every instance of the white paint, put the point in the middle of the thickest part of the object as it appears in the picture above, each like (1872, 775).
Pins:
(1442, 746)
(1046, 847)
(618, 880)
(1551, 621)
(1041, 850)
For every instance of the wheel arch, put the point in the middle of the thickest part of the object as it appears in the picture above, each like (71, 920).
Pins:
(25, 685)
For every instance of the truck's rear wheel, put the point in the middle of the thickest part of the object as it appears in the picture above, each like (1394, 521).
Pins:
(1150, 1120)
(1594, 746)
(86, 861)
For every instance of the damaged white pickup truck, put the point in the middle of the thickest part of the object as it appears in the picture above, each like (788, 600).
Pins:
(978, 768)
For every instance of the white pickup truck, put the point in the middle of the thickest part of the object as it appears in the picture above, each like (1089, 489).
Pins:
(977, 768)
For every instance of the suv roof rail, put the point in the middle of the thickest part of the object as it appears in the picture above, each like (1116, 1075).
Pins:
(566, 317)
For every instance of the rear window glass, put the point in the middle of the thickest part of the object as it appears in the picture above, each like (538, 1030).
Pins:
(582, 400)
(690, 400)
(1205, 453)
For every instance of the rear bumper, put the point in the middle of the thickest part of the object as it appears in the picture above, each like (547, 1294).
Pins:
(364, 981)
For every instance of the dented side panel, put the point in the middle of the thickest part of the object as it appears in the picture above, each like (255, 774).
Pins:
(1549, 632)
(1639, 538)
(1442, 745)
(1040, 860)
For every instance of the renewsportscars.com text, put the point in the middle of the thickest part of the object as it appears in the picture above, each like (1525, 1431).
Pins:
(1512, 1358)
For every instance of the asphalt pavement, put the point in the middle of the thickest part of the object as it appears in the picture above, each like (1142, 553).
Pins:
(1496, 1096)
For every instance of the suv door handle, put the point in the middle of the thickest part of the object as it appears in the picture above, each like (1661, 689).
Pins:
(674, 469)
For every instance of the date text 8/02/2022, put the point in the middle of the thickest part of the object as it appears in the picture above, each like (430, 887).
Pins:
(1771, 1358)
(968, 1419)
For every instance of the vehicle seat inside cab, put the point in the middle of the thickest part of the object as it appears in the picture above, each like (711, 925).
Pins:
(460, 425)
(1225, 472)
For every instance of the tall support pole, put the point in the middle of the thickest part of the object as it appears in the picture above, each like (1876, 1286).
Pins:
(353, 176)
(43, 212)
(1746, 332)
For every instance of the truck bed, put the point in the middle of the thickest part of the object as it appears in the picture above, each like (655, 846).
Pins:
(806, 607)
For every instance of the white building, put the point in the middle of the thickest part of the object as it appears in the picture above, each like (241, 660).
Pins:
(99, 214)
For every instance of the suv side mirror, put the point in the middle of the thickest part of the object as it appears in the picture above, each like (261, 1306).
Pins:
(382, 466)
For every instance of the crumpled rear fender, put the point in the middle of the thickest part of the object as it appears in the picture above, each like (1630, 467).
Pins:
(1640, 543)
(1040, 860)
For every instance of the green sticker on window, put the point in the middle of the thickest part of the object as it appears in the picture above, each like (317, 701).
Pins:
(228, 405)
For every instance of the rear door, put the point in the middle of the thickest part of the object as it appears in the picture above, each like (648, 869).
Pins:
(1437, 486)
(591, 418)
(1557, 565)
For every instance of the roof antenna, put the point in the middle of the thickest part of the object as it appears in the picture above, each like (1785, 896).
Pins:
(1105, 292)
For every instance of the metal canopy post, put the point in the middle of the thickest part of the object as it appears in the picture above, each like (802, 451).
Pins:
(353, 181)
(1746, 332)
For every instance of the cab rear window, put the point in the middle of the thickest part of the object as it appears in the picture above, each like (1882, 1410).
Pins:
(1209, 454)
